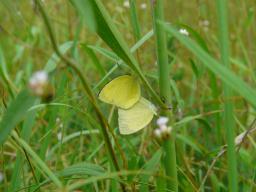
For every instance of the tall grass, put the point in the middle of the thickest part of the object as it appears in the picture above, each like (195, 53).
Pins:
(229, 121)
(203, 80)
(169, 158)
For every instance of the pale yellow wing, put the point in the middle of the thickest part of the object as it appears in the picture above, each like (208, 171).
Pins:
(123, 92)
(136, 118)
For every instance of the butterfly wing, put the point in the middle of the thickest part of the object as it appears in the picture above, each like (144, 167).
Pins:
(136, 118)
(123, 92)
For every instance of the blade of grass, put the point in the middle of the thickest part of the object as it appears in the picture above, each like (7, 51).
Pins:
(25, 134)
(16, 111)
(227, 76)
(95, 60)
(37, 159)
(134, 19)
(55, 59)
(169, 157)
(4, 74)
(229, 121)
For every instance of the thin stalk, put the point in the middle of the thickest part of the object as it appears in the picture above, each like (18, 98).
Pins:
(169, 158)
(70, 63)
(37, 159)
(134, 20)
(229, 122)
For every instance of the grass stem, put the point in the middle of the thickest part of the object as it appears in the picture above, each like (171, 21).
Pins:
(169, 158)
(229, 122)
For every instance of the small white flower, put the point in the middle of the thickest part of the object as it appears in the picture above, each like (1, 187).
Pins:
(143, 6)
(61, 125)
(162, 121)
(1, 177)
(57, 120)
(184, 32)
(157, 133)
(126, 4)
(38, 82)
(59, 136)
(163, 128)
(206, 22)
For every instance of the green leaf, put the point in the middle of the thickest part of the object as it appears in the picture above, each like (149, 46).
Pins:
(54, 59)
(95, 61)
(151, 165)
(82, 169)
(189, 141)
(86, 10)
(227, 76)
(16, 111)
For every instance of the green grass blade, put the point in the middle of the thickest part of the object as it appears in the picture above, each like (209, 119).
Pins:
(151, 165)
(25, 134)
(38, 161)
(229, 121)
(15, 113)
(95, 61)
(169, 157)
(134, 19)
(227, 76)
(54, 59)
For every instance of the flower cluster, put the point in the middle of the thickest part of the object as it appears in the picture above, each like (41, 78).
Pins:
(163, 131)
(184, 32)
(38, 83)
(40, 86)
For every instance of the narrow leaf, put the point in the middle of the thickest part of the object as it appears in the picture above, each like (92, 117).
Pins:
(16, 111)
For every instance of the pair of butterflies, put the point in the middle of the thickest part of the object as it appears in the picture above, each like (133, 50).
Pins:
(134, 111)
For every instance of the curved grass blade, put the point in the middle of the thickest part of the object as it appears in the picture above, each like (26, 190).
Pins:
(15, 113)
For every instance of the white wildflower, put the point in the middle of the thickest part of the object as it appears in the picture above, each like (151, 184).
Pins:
(143, 6)
(59, 136)
(163, 131)
(204, 24)
(126, 4)
(162, 121)
(157, 133)
(38, 82)
(184, 32)
(61, 125)
(57, 120)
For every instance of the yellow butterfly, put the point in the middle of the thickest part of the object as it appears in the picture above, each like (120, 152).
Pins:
(123, 92)
(134, 111)
(136, 118)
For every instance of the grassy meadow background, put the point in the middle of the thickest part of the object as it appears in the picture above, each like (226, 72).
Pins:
(62, 144)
